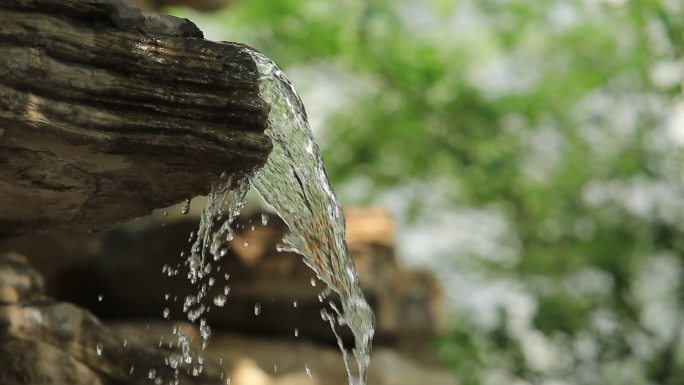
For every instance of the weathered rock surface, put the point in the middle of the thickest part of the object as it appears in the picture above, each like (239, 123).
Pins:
(200, 5)
(257, 360)
(18, 280)
(119, 277)
(261, 361)
(47, 342)
(128, 261)
(107, 112)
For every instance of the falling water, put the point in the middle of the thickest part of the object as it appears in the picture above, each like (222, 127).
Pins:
(294, 182)
(224, 202)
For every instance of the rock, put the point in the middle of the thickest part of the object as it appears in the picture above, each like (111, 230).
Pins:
(200, 5)
(369, 226)
(54, 252)
(49, 342)
(119, 276)
(8, 295)
(260, 361)
(69, 157)
(19, 281)
(406, 301)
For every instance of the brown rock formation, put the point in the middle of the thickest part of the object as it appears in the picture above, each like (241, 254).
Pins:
(48, 342)
(107, 112)
(200, 5)
(260, 361)
(125, 267)
(406, 302)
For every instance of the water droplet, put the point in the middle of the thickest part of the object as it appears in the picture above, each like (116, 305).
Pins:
(131, 370)
(211, 281)
(252, 227)
(264, 219)
(226, 290)
(186, 208)
(166, 213)
(296, 332)
(166, 312)
(257, 308)
(308, 370)
(173, 362)
(98, 348)
(220, 300)
(313, 282)
(100, 298)
(205, 332)
(223, 252)
(245, 244)
(125, 342)
(151, 374)
(294, 304)
(194, 262)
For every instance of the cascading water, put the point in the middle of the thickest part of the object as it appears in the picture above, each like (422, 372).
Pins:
(294, 182)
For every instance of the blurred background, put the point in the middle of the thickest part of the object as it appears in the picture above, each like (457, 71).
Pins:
(530, 154)
(522, 161)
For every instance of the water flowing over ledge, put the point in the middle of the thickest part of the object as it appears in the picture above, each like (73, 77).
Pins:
(294, 182)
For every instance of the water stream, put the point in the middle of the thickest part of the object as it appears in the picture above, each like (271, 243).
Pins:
(294, 182)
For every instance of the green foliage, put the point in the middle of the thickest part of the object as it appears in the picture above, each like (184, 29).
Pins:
(550, 114)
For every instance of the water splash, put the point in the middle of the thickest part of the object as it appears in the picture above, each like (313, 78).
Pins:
(294, 182)
(224, 202)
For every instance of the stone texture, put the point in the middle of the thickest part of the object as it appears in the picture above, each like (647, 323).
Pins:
(406, 301)
(254, 360)
(47, 342)
(108, 112)
(261, 361)
(200, 5)
(118, 276)
(19, 281)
